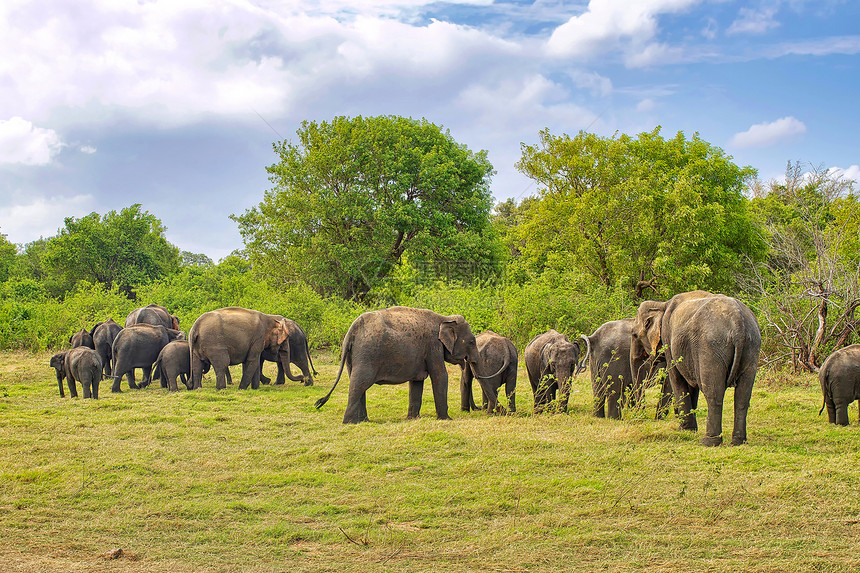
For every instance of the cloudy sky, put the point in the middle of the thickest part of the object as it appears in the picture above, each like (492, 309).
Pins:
(175, 104)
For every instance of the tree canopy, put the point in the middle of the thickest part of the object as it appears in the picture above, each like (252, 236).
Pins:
(127, 248)
(354, 195)
(666, 214)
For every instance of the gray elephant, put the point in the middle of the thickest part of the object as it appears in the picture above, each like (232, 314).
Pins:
(402, 344)
(618, 372)
(174, 361)
(78, 364)
(840, 383)
(103, 334)
(137, 347)
(152, 314)
(495, 352)
(551, 360)
(81, 338)
(711, 342)
(296, 351)
(236, 335)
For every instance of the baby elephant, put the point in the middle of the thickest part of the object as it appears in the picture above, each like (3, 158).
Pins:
(174, 361)
(551, 361)
(495, 354)
(840, 383)
(79, 363)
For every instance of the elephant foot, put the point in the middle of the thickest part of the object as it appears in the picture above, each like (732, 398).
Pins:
(116, 390)
(309, 382)
(711, 441)
(738, 441)
(445, 417)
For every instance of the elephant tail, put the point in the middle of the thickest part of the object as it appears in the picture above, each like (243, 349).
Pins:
(310, 360)
(825, 387)
(157, 369)
(347, 348)
(581, 365)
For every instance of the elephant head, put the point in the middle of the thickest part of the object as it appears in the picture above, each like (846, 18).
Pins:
(647, 327)
(58, 363)
(277, 340)
(562, 357)
(458, 340)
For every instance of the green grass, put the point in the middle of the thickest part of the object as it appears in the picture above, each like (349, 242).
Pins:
(261, 481)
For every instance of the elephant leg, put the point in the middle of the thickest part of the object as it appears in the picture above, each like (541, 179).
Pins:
(301, 361)
(147, 376)
(250, 371)
(743, 394)
(439, 383)
(511, 390)
(360, 380)
(280, 378)
(687, 397)
(263, 378)
(222, 372)
(613, 400)
(665, 401)
(95, 385)
(714, 425)
(598, 390)
(130, 376)
(60, 384)
(196, 373)
(416, 392)
(168, 379)
(73, 389)
(86, 388)
(467, 399)
(841, 412)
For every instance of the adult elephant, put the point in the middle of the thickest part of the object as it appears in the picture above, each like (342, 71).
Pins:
(235, 335)
(551, 360)
(80, 364)
(618, 372)
(104, 333)
(711, 342)
(840, 383)
(138, 346)
(402, 344)
(495, 354)
(152, 314)
(81, 338)
(296, 351)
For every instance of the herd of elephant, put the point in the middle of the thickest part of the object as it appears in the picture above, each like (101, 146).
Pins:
(704, 342)
(151, 340)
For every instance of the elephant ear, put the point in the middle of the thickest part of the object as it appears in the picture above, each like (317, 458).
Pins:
(653, 328)
(448, 334)
(283, 331)
(547, 356)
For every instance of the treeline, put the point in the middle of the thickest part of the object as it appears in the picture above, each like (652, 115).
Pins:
(369, 212)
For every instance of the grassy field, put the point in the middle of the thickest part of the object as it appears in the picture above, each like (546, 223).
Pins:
(260, 481)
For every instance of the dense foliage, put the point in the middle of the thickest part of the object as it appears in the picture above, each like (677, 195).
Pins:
(356, 194)
(645, 211)
(371, 212)
(126, 249)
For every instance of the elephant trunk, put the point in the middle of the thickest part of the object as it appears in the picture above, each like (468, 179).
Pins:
(473, 366)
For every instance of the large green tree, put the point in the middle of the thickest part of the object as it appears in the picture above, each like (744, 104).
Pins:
(653, 214)
(127, 248)
(352, 196)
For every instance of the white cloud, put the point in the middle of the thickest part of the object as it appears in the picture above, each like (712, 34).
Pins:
(40, 216)
(752, 21)
(88, 149)
(594, 82)
(610, 25)
(176, 63)
(765, 134)
(852, 173)
(23, 143)
(646, 105)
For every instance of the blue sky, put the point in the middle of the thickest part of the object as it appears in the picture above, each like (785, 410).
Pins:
(175, 104)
